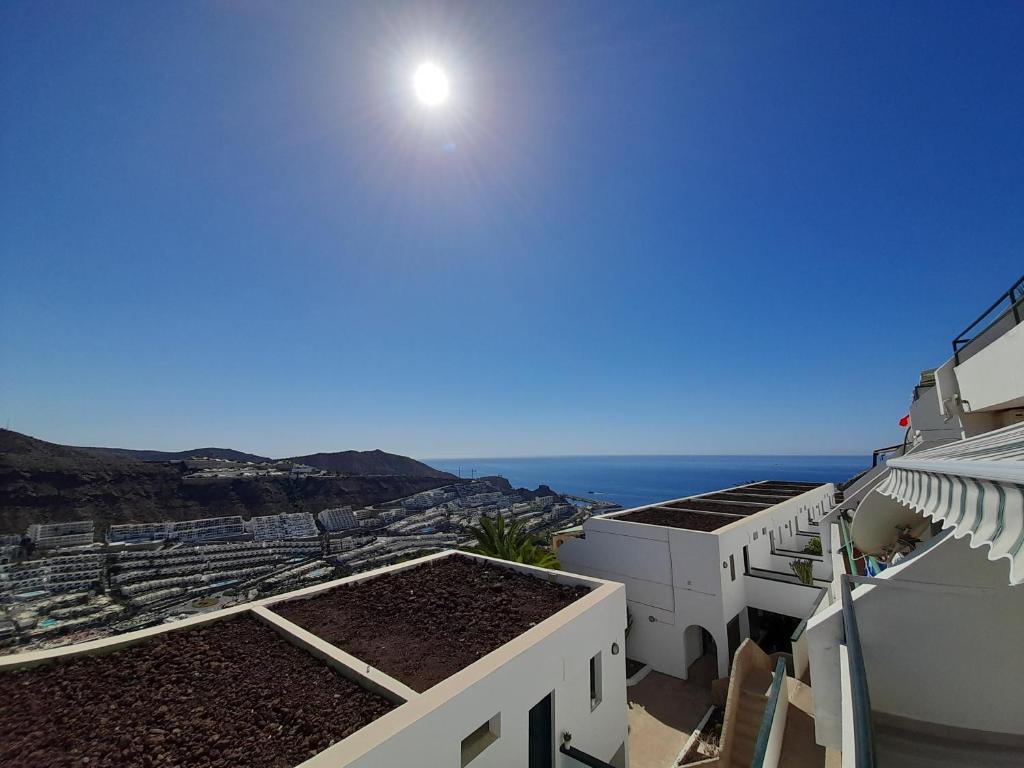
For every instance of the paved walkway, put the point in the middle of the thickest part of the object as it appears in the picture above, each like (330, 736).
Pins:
(663, 711)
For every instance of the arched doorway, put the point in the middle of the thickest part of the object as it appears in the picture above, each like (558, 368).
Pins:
(701, 654)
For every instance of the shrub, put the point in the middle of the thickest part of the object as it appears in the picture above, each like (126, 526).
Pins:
(803, 570)
(813, 547)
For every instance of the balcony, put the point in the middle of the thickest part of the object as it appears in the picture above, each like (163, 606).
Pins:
(1005, 313)
(988, 359)
(916, 667)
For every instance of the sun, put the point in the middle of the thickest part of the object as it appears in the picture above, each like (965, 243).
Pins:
(431, 84)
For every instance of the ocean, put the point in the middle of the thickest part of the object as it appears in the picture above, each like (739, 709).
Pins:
(633, 481)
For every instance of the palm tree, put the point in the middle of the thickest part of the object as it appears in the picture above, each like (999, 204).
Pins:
(510, 542)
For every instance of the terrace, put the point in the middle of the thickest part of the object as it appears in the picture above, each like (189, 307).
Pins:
(679, 518)
(227, 693)
(716, 510)
(437, 618)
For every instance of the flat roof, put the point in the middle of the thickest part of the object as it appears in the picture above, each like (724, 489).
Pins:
(423, 624)
(716, 509)
(679, 518)
(217, 691)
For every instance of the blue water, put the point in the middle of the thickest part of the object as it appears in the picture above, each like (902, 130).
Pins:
(636, 480)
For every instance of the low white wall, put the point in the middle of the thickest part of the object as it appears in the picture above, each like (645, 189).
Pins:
(994, 377)
(773, 754)
(795, 600)
(941, 640)
(947, 656)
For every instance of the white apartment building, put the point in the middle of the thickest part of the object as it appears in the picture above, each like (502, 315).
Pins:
(915, 652)
(74, 533)
(700, 581)
(338, 519)
(548, 697)
(206, 529)
(287, 525)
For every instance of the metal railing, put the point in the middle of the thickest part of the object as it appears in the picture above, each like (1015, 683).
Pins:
(863, 732)
(881, 454)
(770, 709)
(799, 631)
(1015, 299)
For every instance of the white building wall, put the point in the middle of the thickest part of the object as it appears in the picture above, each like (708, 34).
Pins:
(994, 377)
(931, 639)
(676, 579)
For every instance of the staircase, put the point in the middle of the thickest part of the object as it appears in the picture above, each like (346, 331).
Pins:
(746, 726)
(744, 709)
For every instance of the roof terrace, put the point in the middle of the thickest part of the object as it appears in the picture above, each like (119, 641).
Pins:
(424, 624)
(715, 510)
(231, 692)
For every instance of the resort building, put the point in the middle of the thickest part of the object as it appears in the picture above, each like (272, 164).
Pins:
(74, 533)
(914, 650)
(449, 660)
(704, 572)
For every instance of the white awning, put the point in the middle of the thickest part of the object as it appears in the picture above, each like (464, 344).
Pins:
(975, 486)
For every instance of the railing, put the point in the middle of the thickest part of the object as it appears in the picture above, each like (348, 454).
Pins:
(771, 711)
(1015, 298)
(863, 738)
(799, 631)
(878, 454)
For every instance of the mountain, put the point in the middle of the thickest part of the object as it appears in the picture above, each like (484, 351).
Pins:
(209, 453)
(45, 482)
(370, 463)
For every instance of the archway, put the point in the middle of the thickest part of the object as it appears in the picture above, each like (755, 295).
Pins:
(701, 655)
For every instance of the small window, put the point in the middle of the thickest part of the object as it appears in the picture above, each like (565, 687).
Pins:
(732, 567)
(755, 535)
(480, 739)
(595, 681)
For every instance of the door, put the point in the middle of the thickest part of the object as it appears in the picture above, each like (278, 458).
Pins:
(542, 743)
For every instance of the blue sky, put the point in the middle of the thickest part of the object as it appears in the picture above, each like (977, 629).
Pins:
(697, 227)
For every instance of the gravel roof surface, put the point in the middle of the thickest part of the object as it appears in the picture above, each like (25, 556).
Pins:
(671, 518)
(768, 499)
(232, 693)
(704, 505)
(423, 624)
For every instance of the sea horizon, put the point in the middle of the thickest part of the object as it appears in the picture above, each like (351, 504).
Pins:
(635, 480)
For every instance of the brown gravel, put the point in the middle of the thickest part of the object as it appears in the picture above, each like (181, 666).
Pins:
(783, 484)
(233, 693)
(767, 498)
(423, 624)
(670, 518)
(703, 505)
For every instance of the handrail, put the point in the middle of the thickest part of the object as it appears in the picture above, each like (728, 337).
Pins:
(877, 453)
(1015, 300)
(864, 748)
(582, 757)
(803, 623)
(765, 731)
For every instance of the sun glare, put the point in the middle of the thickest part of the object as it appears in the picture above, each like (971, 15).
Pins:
(431, 84)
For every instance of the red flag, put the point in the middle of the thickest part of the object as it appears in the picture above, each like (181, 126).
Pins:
(905, 421)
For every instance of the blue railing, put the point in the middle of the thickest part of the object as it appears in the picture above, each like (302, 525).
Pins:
(863, 734)
(770, 707)
(1010, 303)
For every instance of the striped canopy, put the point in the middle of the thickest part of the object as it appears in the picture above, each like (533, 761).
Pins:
(975, 486)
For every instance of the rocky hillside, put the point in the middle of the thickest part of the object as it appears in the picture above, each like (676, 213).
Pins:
(209, 453)
(370, 463)
(46, 482)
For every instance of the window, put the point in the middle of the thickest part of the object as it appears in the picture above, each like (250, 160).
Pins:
(595, 681)
(480, 739)
(732, 567)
